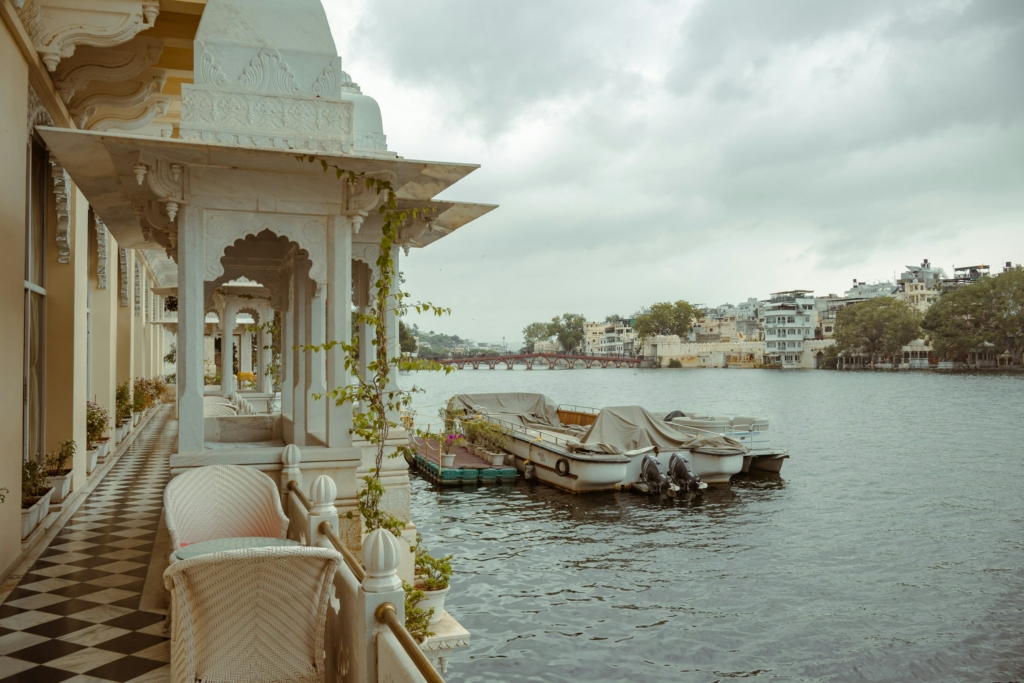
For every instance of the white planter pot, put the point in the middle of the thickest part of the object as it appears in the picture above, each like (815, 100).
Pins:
(495, 459)
(61, 487)
(435, 600)
(92, 458)
(103, 450)
(447, 460)
(136, 418)
(29, 520)
(31, 517)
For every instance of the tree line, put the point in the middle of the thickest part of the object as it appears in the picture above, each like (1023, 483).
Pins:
(664, 318)
(986, 314)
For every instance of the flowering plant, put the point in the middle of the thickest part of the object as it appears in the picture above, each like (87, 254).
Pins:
(96, 421)
(450, 441)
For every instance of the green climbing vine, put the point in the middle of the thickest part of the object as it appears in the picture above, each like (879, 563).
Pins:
(380, 402)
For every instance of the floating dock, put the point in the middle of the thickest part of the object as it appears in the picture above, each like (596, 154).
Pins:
(468, 469)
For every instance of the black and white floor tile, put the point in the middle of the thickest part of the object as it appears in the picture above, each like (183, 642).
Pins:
(75, 615)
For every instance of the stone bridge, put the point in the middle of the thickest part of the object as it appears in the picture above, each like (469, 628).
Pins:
(550, 359)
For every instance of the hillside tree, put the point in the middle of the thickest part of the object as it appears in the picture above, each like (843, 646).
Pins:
(665, 318)
(877, 327)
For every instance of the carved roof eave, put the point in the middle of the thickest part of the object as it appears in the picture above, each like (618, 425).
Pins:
(102, 166)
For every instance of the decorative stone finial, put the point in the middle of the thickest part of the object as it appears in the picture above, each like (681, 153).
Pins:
(291, 456)
(381, 557)
(323, 493)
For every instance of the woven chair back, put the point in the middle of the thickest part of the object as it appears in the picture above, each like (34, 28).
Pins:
(222, 501)
(251, 616)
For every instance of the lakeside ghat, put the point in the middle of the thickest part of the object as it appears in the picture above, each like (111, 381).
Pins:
(888, 549)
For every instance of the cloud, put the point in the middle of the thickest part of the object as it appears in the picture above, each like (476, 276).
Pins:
(711, 151)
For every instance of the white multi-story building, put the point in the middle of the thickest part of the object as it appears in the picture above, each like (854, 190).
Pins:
(607, 339)
(547, 346)
(789, 322)
(920, 286)
(864, 290)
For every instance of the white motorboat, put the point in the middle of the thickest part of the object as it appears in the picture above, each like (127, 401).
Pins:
(752, 432)
(583, 449)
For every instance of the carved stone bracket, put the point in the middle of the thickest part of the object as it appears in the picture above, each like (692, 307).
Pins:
(62, 194)
(167, 180)
(101, 253)
(133, 118)
(57, 27)
(414, 228)
(37, 113)
(122, 258)
(131, 94)
(110, 65)
(224, 228)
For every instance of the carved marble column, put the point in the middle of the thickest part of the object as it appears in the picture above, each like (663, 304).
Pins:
(316, 411)
(227, 343)
(391, 322)
(191, 314)
(262, 381)
(339, 325)
(287, 332)
(245, 360)
(298, 380)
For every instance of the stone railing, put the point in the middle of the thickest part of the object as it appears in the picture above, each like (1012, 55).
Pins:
(366, 640)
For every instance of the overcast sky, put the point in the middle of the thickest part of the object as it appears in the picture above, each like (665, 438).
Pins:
(707, 151)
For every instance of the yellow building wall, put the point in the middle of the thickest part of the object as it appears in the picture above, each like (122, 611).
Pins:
(13, 151)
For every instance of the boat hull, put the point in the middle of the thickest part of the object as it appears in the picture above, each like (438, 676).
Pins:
(769, 462)
(578, 474)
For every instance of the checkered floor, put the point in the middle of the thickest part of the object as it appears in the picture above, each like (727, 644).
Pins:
(75, 615)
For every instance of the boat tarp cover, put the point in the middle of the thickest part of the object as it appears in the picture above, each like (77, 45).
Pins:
(627, 428)
(529, 410)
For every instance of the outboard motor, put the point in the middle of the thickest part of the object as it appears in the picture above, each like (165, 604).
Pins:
(528, 471)
(679, 471)
(652, 475)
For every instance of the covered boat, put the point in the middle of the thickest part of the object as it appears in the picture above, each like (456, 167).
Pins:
(583, 450)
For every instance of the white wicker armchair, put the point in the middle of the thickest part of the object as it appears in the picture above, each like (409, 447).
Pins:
(251, 616)
(221, 501)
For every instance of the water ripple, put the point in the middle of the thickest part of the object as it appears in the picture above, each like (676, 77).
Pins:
(890, 549)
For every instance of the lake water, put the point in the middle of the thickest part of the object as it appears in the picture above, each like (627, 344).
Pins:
(891, 548)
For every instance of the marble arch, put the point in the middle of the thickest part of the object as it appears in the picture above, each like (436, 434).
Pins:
(227, 228)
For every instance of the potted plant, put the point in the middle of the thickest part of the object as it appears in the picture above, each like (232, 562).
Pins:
(123, 406)
(432, 576)
(142, 398)
(495, 439)
(472, 431)
(58, 469)
(35, 496)
(96, 422)
(448, 444)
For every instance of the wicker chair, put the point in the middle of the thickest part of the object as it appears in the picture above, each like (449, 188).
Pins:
(221, 501)
(251, 616)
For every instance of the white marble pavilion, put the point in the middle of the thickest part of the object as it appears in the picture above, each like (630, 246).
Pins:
(166, 134)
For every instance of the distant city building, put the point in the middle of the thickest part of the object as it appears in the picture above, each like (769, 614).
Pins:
(965, 275)
(547, 347)
(920, 286)
(605, 339)
(789, 322)
(863, 290)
